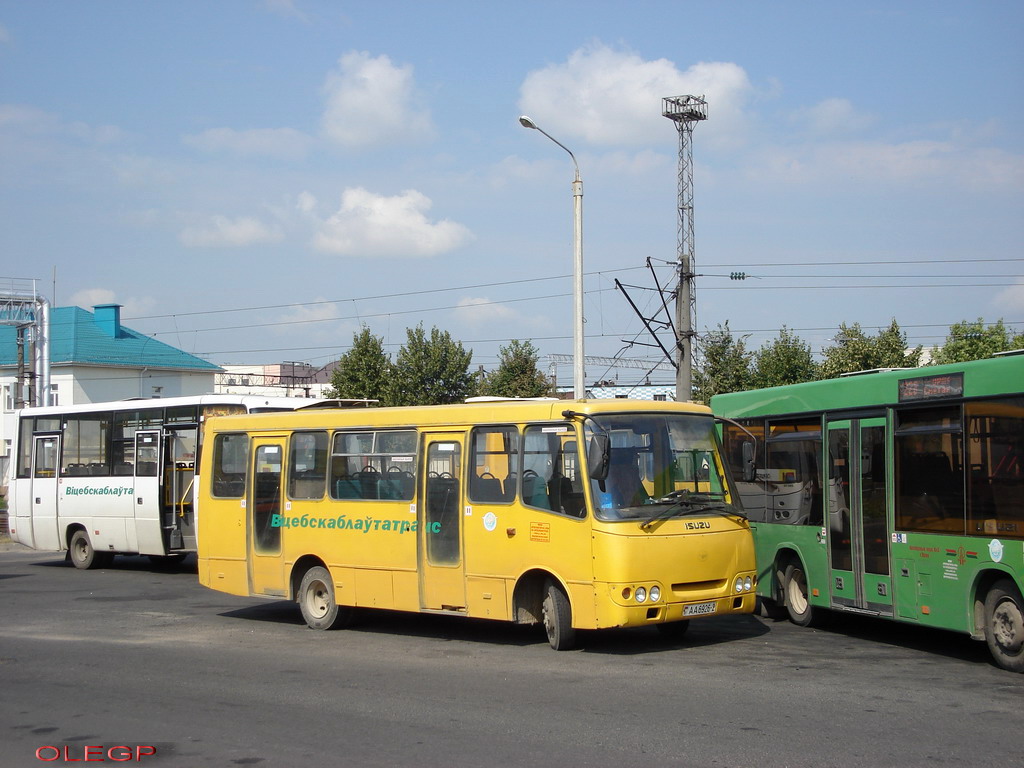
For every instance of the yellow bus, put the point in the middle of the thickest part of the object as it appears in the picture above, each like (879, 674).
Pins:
(483, 509)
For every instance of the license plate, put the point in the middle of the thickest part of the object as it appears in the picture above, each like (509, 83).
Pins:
(699, 609)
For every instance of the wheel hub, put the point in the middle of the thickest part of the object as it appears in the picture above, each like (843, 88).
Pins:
(1008, 626)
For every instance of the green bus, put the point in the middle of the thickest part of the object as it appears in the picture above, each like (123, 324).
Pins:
(895, 493)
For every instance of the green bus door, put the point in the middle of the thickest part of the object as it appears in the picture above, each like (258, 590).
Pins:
(858, 539)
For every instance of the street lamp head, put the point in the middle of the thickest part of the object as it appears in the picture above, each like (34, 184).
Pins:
(527, 122)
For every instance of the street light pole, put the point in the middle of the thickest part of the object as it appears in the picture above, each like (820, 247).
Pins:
(578, 383)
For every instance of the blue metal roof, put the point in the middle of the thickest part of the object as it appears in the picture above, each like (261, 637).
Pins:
(77, 336)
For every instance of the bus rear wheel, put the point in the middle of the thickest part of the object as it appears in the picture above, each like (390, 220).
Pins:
(794, 589)
(83, 555)
(1004, 625)
(316, 601)
(558, 618)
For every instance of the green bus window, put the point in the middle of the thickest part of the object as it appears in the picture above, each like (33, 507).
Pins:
(929, 470)
(549, 478)
(792, 474)
(996, 459)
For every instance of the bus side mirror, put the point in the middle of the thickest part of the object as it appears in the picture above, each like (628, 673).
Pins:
(598, 456)
(749, 467)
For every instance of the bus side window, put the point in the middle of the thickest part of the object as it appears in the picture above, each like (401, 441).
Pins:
(307, 465)
(230, 461)
(494, 456)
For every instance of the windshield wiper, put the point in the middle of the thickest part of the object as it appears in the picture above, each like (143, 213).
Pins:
(686, 503)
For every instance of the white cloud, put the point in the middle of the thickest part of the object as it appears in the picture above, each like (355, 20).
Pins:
(1010, 299)
(905, 163)
(284, 143)
(32, 121)
(87, 298)
(607, 96)
(476, 312)
(319, 310)
(223, 232)
(370, 101)
(286, 8)
(306, 202)
(832, 116)
(376, 225)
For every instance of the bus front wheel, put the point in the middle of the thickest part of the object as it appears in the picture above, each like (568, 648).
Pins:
(1004, 625)
(558, 618)
(316, 600)
(794, 589)
(83, 555)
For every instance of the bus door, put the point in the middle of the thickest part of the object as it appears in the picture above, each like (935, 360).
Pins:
(439, 518)
(858, 540)
(179, 486)
(263, 502)
(147, 494)
(45, 531)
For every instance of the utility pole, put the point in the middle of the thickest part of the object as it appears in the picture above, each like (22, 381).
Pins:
(685, 111)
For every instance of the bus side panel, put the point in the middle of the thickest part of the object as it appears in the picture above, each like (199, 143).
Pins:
(372, 540)
(775, 543)
(944, 575)
(20, 521)
(222, 545)
(105, 506)
(503, 541)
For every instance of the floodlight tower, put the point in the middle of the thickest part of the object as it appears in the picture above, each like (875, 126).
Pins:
(685, 111)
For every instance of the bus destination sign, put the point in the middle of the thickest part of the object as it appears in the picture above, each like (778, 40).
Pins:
(928, 387)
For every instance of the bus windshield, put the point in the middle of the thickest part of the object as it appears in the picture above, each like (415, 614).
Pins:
(660, 464)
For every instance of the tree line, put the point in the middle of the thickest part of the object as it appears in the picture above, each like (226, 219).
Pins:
(433, 368)
(727, 365)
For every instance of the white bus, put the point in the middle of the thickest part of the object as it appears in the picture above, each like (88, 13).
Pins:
(115, 478)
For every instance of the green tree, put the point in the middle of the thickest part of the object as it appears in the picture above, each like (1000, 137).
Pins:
(517, 374)
(973, 341)
(786, 360)
(856, 351)
(430, 370)
(725, 364)
(363, 371)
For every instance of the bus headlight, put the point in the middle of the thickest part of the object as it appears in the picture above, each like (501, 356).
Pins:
(748, 584)
(655, 594)
(739, 583)
(641, 594)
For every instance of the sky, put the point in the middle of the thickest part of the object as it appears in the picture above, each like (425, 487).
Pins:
(255, 180)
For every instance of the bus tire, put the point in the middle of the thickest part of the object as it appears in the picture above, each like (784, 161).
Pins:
(82, 554)
(794, 590)
(674, 631)
(767, 608)
(316, 601)
(1004, 625)
(558, 618)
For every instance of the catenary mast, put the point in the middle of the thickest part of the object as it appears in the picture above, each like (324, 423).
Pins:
(685, 111)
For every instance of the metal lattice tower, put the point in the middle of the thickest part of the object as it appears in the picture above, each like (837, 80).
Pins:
(685, 111)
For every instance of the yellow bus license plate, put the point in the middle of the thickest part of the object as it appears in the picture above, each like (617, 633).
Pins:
(699, 609)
